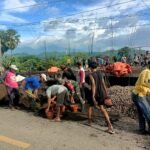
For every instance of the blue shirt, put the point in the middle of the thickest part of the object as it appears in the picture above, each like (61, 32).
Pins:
(32, 83)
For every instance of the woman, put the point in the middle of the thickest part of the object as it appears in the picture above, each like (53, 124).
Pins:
(12, 86)
(97, 94)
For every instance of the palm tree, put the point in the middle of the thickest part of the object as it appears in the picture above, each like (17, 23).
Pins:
(9, 40)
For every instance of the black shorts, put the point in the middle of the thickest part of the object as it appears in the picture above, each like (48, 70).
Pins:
(100, 101)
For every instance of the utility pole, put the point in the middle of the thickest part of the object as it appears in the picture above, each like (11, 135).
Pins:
(92, 44)
(69, 47)
(45, 50)
(112, 33)
(0, 54)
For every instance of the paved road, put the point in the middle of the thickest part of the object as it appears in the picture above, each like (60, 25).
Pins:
(21, 130)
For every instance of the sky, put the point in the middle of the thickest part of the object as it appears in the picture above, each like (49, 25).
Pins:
(77, 25)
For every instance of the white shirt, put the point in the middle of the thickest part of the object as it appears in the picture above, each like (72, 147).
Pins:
(55, 89)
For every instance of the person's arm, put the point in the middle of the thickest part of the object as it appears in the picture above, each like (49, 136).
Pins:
(36, 93)
(49, 102)
(93, 88)
(104, 85)
(148, 93)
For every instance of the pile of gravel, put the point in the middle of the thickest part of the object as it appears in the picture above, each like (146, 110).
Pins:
(122, 102)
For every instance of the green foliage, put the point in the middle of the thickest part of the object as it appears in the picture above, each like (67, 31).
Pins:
(9, 40)
(81, 55)
(34, 63)
(125, 51)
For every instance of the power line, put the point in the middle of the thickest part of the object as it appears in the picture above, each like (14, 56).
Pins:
(33, 5)
(139, 25)
(145, 4)
(97, 9)
(37, 22)
(110, 17)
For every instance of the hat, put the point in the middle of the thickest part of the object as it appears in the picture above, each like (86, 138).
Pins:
(44, 76)
(13, 67)
(19, 78)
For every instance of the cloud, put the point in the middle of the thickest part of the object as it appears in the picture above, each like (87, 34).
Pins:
(10, 4)
(70, 34)
(10, 18)
(3, 27)
(127, 21)
(53, 10)
(10, 7)
(80, 28)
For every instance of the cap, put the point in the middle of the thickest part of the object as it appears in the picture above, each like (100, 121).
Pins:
(14, 67)
(44, 76)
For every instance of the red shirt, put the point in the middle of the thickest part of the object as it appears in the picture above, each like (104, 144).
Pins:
(81, 75)
(10, 80)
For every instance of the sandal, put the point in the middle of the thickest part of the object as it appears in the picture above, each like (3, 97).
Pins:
(110, 131)
(57, 120)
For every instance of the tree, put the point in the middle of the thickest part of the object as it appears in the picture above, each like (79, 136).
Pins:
(124, 51)
(9, 40)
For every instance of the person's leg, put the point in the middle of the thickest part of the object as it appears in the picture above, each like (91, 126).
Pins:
(105, 113)
(82, 101)
(59, 102)
(82, 91)
(66, 99)
(16, 98)
(142, 125)
(145, 107)
(11, 96)
(78, 93)
(58, 114)
(90, 110)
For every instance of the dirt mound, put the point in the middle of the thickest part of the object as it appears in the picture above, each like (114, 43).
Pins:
(3, 92)
(122, 102)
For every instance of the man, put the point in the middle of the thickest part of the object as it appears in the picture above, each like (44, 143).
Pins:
(81, 78)
(60, 93)
(74, 91)
(139, 96)
(96, 95)
(12, 86)
(67, 73)
(32, 84)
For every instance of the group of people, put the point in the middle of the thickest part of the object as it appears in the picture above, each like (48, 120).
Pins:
(15, 82)
(141, 59)
(90, 88)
